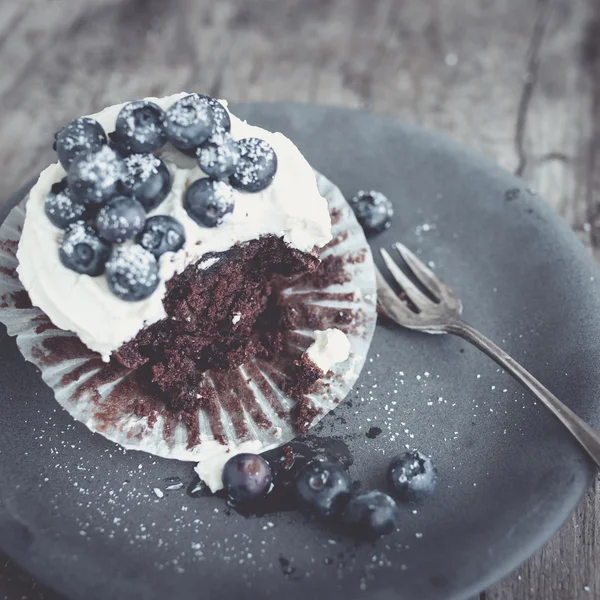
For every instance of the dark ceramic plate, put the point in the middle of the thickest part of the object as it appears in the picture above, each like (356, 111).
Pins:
(80, 513)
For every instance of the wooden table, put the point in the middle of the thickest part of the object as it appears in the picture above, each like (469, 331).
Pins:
(519, 80)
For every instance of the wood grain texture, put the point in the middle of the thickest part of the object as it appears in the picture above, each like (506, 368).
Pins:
(518, 80)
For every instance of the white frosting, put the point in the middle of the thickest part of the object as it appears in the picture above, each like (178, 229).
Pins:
(330, 347)
(291, 208)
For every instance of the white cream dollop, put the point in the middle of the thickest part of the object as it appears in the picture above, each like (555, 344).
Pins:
(330, 347)
(291, 208)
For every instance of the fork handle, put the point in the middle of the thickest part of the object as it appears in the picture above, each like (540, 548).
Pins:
(588, 438)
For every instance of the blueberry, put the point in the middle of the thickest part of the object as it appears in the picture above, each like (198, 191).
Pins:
(93, 177)
(162, 234)
(246, 477)
(412, 476)
(220, 115)
(256, 167)
(147, 179)
(140, 127)
(322, 487)
(371, 514)
(189, 122)
(60, 208)
(121, 219)
(207, 201)
(82, 251)
(132, 273)
(80, 135)
(218, 155)
(373, 210)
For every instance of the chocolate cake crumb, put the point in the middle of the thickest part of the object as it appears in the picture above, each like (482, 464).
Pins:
(9, 246)
(212, 408)
(105, 410)
(338, 239)
(108, 374)
(265, 388)
(303, 414)
(77, 373)
(335, 215)
(335, 296)
(331, 271)
(55, 350)
(9, 272)
(45, 324)
(288, 454)
(191, 422)
(21, 299)
(198, 335)
(302, 375)
(359, 257)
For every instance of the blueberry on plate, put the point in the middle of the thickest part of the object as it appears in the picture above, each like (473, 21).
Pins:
(220, 114)
(80, 135)
(256, 166)
(322, 488)
(94, 176)
(207, 201)
(147, 179)
(373, 210)
(120, 219)
(412, 476)
(60, 207)
(218, 155)
(162, 234)
(82, 251)
(189, 122)
(371, 515)
(140, 127)
(132, 273)
(246, 477)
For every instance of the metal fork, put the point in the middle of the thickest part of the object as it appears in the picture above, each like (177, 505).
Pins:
(444, 316)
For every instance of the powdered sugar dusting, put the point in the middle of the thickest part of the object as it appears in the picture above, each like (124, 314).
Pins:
(128, 121)
(218, 154)
(74, 135)
(189, 110)
(60, 207)
(121, 218)
(130, 267)
(223, 193)
(103, 169)
(139, 167)
(256, 157)
(78, 233)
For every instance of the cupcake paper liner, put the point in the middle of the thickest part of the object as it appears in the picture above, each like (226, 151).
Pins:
(249, 411)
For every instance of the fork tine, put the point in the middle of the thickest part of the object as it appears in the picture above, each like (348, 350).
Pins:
(429, 279)
(423, 273)
(412, 291)
(394, 307)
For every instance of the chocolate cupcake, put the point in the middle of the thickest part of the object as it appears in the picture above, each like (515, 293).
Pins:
(186, 284)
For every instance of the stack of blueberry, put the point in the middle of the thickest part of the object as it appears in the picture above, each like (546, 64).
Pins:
(112, 184)
(324, 489)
